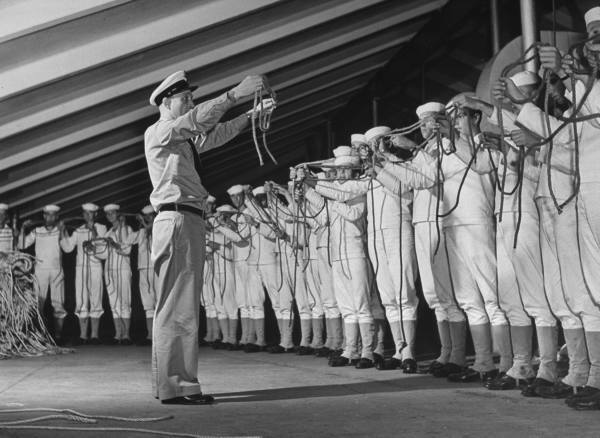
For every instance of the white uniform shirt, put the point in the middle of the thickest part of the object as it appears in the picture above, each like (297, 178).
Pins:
(79, 236)
(6, 239)
(384, 207)
(118, 259)
(47, 247)
(348, 225)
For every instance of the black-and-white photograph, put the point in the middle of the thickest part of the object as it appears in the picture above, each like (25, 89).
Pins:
(299, 218)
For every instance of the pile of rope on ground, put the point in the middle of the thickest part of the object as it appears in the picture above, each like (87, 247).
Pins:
(22, 330)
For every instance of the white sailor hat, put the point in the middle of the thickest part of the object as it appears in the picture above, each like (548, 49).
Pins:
(3, 207)
(51, 208)
(347, 161)
(111, 207)
(89, 207)
(226, 208)
(211, 199)
(377, 132)
(148, 209)
(235, 190)
(173, 84)
(342, 151)
(592, 15)
(523, 78)
(260, 190)
(429, 107)
(358, 138)
(451, 104)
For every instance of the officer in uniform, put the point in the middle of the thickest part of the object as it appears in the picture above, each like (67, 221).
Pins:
(172, 146)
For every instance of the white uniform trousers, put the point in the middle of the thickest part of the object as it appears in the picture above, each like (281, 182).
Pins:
(295, 277)
(394, 271)
(240, 269)
(178, 250)
(472, 256)
(55, 280)
(277, 289)
(330, 306)
(351, 282)
(526, 264)
(224, 286)
(148, 290)
(509, 293)
(588, 214)
(255, 293)
(554, 229)
(313, 289)
(208, 291)
(118, 288)
(434, 272)
(88, 291)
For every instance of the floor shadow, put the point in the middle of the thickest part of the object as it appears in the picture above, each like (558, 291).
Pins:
(405, 384)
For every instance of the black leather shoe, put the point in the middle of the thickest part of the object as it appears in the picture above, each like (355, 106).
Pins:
(339, 361)
(94, 341)
(364, 363)
(196, 399)
(202, 343)
(447, 369)
(217, 345)
(388, 364)
(335, 353)
(470, 375)
(278, 349)
(377, 359)
(251, 348)
(126, 341)
(531, 389)
(435, 365)
(304, 351)
(322, 352)
(506, 382)
(584, 395)
(558, 390)
(235, 347)
(409, 366)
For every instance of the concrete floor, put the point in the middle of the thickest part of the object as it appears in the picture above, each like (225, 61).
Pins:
(277, 396)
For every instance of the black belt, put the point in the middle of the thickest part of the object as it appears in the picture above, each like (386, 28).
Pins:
(182, 207)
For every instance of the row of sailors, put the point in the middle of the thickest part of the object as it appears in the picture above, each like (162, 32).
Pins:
(452, 212)
(103, 257)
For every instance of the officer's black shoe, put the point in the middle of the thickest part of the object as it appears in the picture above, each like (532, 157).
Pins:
(531, 389)
(390, 363)
(364, 363)
(471, 375)
(435, 365)
(304, 351)
(558, 390)
(196, 399)
(251, 348)
(126, 341)
(447, 369)
(507, 382)
(409, 366)
(583, 397)
(94, 341)
(322, 352)
(339, 361)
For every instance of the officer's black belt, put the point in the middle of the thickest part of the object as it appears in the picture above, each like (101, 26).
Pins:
(182, 207)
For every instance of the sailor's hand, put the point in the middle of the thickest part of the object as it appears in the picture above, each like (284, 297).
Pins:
(266, 106)
(249, 85)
